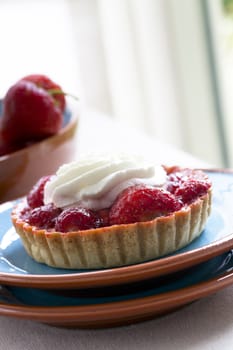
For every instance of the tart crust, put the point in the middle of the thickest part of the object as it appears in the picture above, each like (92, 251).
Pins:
(116, 245)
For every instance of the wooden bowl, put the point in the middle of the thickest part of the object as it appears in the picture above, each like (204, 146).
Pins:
(21, 169)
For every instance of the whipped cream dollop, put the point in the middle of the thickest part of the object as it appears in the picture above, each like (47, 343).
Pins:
(94, 182)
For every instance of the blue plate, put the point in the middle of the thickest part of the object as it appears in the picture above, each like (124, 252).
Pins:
(17, 268)
(200, 273)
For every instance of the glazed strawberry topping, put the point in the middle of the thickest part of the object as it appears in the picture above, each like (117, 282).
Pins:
(189, 191)
(35, 197)
(188, 184)
(74, 219)
(103, 214)
(134, 204)
(44, 216)
(142, 203)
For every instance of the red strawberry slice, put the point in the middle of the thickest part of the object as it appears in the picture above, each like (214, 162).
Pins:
(44, 216)
(75, 219)
(142, 203)
(189, 191)
(35, 198)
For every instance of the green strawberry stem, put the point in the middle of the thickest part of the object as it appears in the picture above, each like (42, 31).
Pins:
(60, 92)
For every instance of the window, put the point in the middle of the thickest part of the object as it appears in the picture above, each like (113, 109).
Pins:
(163, 67)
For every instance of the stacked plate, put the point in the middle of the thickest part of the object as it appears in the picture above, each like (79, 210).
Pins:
(118, 296)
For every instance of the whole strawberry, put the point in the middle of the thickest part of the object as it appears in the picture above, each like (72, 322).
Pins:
(50, 86)
(5, 147)
(30, 113)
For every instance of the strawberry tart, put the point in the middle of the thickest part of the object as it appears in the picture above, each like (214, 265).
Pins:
(108, 211)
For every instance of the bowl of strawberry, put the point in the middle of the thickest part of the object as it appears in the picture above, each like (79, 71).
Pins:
(37, 133)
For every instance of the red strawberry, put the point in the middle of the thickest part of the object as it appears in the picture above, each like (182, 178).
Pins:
(142, 203)
(43, 217)
(35, 198)
(189, 191)
(6, 147)
(29, 113)
(74, 219)
(42, 81)
(103, 214)
(188, 184)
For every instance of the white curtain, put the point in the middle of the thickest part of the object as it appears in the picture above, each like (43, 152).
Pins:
(139, 66)
(221, 33)
(159, 74)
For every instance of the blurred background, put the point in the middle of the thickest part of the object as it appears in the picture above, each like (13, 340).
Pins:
(164, 67)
